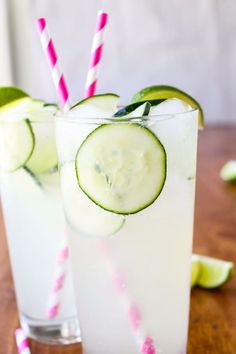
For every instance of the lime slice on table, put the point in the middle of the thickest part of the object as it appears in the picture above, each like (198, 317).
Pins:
(195, 270)
(164, 92)
(213, 272)
(228, 171)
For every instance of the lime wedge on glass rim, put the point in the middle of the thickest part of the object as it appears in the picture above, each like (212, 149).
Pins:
(21, 144)
(213, 272)
(164, 92)
(16, 137)
(13, 99)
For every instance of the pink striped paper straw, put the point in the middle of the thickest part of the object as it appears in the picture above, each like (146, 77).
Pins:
(96, 54)
(58, 283)
(64, 96)
(144, 342)
(57, 75)
(22, 342)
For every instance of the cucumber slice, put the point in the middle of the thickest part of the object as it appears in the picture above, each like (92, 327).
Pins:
(121, 167)
(81, 213)
(36, 105)
(125, 111)
(33, 176)
(134, 110)
(102, 106)
(16, 144)
(164, 92)
(44, 156)
(40, 111)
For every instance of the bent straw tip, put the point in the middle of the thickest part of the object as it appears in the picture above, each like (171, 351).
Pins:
(101, 12)
(103, 17)
(41, 23)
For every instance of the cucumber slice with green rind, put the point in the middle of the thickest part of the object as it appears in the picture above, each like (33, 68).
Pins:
(121, 167)
(140, 111)
(101, 106)
(133, 106)
(164, 92)
(81, 213)
(44, 157)
(33, 176)
(16, 144)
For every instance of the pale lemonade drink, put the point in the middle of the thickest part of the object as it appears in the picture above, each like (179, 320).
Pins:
(35, 226)
(129, 260)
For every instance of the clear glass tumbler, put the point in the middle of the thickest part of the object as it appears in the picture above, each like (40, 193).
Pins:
(128, 189)
(34, 220)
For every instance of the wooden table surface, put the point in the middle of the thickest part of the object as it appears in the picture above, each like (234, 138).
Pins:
(213, 313)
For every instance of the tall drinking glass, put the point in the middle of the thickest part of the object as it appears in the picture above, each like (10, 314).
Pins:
(128, 190)
(35, 227)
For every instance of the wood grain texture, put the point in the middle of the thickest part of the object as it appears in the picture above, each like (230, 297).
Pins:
(213, 313)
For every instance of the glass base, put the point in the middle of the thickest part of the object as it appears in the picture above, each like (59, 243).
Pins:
(51, 332)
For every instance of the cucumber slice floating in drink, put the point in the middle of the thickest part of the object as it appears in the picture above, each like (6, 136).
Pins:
(164, 92)
(132, 110)
(121, 167)
(44, 156)
(16, 144)
(81, 213)
(214, 272)
(103, 106)
(138, 109)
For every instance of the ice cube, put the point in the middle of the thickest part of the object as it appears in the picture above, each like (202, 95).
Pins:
(170, 106)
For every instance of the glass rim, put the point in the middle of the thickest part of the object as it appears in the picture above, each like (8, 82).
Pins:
(72, 117)
(14, 116)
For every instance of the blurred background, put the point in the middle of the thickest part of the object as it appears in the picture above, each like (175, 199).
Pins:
(185, 43)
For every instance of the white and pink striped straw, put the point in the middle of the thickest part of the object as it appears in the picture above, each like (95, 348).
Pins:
(51, 55)
(22, 342)
(96, 54)
(144, 342)
(58, 282)
(64, 96)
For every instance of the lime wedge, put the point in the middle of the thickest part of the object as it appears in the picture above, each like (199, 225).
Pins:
(164, 92)
(12, 98)
(214, 272)
(228, 171)
(195, 270)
